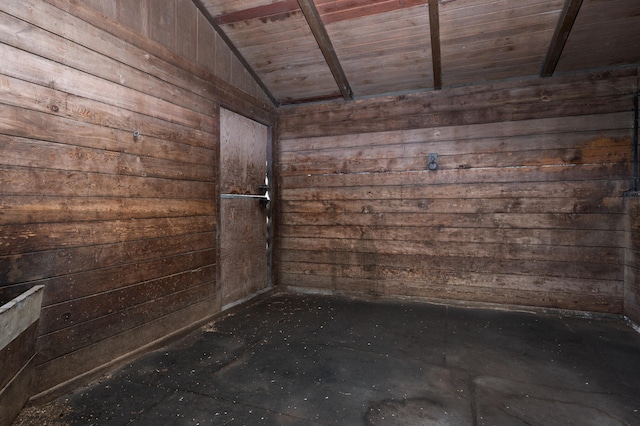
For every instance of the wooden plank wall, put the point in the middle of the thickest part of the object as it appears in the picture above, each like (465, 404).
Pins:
(632, 261)
(525, 207)
(181, 28)
(119, 226)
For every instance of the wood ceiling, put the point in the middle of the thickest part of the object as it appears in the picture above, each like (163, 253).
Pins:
(311, 50)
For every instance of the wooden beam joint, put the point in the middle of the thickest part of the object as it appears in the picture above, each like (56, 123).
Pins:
(205, 12)
(560, 36)
(319, 31)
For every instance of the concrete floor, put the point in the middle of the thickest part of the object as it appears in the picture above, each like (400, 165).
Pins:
(311, 360)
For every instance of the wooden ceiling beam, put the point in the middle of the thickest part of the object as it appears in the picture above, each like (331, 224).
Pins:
(560, 36)
(205, 12)
(260, 12)
(436, 56)
(324, 42)
(336, 11)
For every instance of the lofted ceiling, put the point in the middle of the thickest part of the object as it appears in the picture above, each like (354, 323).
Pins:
(312, 50)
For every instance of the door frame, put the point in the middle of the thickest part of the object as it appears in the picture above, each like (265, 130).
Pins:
(270, 234)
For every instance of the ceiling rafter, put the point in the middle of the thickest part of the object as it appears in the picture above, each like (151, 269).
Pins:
(361, 8)
(201, 7)
(323, 50)
(324, 42)
(560, 36)
(259, 12)
(436, 57)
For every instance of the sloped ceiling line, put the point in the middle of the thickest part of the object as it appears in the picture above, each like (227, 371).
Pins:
(324, 42)
(560, 36)
(205, 12)
(304, 50)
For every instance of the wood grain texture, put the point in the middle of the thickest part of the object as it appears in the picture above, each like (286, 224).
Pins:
(620, 44)
(531, 99)
(186, 27)
(16, 355)
(243, 253)
(134, 14)
(243, 225)
(493, 40)
(525, 207)
(250, 101)
(162, 29)
(17, 392)
(342, 10)
(380, 54)
(291, 71)
(243, 150)
(241, 68)
(383, 45)
(326, 46)
(272, 11)
(563, 30)
(109, 178)
(169, 319)
(230, 6)
(632, 260)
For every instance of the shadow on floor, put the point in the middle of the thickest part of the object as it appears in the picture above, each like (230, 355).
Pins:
(312, 360)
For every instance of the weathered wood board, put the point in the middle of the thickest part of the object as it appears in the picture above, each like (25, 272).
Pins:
(298, 70)
(380, 54)
(525, 207)
(632, 260)
(109, 174)
(616, 38)
(243, 251)
(243, 153)
(243, 221)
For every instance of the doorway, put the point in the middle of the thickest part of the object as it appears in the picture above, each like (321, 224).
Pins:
(244, 208)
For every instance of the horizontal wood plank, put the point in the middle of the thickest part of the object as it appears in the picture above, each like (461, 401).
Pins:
(38, 70)
(525, 236)
(488, 190)
(39, 237)
(99, 305)
(166, 320)
(462, 220)
(505, 250)
(124, 272)
(524, 208)
(465, 262)
(594, 204)
(95, 122)
(109, 141)
(376, 288)
(490, 103)
(463, 175)
(40, 209)
(48, 45)
(23, 152)
(157, 57)
(25, 181)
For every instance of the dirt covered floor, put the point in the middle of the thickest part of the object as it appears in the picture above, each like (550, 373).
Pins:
(315, 360)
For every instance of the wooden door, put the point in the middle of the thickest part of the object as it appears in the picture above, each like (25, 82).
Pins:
(243, 211)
